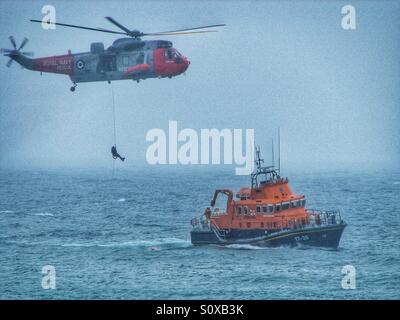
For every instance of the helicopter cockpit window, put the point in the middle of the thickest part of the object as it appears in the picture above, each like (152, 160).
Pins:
(168, 54)
(178, 54)
(173, 54)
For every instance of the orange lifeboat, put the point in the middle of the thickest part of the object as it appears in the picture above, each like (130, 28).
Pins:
(266, 214)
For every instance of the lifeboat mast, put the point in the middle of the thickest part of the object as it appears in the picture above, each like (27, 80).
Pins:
(270, 174)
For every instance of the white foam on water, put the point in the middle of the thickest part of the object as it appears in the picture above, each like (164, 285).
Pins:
(44, 214)
(6, 211)
(77, 245)
(121, 200)
(245, 247)
(396, 182)
(158, 243)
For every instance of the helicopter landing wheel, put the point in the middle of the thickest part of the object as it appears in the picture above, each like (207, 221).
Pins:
(73, 87)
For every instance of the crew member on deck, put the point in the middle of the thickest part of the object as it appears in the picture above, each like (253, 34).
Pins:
(207, 213)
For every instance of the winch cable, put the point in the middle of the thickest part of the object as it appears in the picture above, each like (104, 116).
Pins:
(113, 104)
(115, 129)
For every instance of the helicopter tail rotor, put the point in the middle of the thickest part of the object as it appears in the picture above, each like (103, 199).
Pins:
(12, 53)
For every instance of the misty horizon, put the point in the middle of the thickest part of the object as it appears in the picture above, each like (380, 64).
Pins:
(332, 92)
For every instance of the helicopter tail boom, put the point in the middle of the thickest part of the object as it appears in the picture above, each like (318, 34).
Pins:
(56, 64)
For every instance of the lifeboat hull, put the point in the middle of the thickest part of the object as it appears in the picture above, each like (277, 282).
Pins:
(322, 236)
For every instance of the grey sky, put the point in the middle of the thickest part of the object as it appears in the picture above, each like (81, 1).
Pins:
(333, 93)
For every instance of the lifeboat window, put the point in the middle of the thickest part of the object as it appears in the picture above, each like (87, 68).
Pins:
(285, 206)
(277, 207)
(270, 208)
(265, 209)
(303, 203)
(293, 204)
(245, 211)
(258, 209)
(239, 210)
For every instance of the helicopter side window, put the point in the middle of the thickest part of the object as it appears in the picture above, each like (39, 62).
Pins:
(125, 60)
(258, 209)
(140, 58)
(106, 64)
(270, 208)
(245, 211)
(239, 211)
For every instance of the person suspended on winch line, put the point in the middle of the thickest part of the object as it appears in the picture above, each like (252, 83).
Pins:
(115, 154)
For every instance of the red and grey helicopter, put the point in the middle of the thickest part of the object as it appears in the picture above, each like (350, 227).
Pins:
(127, 58)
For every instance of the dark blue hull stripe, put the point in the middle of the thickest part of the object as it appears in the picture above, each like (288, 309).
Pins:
(320, 236)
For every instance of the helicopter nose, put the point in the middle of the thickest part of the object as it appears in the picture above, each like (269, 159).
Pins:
(185, 64)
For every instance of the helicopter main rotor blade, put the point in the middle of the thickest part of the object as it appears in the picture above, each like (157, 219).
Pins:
(131, 33)
(23, 43)
(13, 42)
(5, 50)
(188, 29)
(79, 27)
(118, 25)
(177, 33)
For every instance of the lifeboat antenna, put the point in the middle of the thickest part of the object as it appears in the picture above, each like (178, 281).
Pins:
(279, 150)
(258, 160)
(273, 155)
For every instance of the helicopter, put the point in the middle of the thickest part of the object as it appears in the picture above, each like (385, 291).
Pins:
(128, 58)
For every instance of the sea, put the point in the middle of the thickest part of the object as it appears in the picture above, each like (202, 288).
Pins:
(125, 234)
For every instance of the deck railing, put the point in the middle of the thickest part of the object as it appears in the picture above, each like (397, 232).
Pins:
(324, 217)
